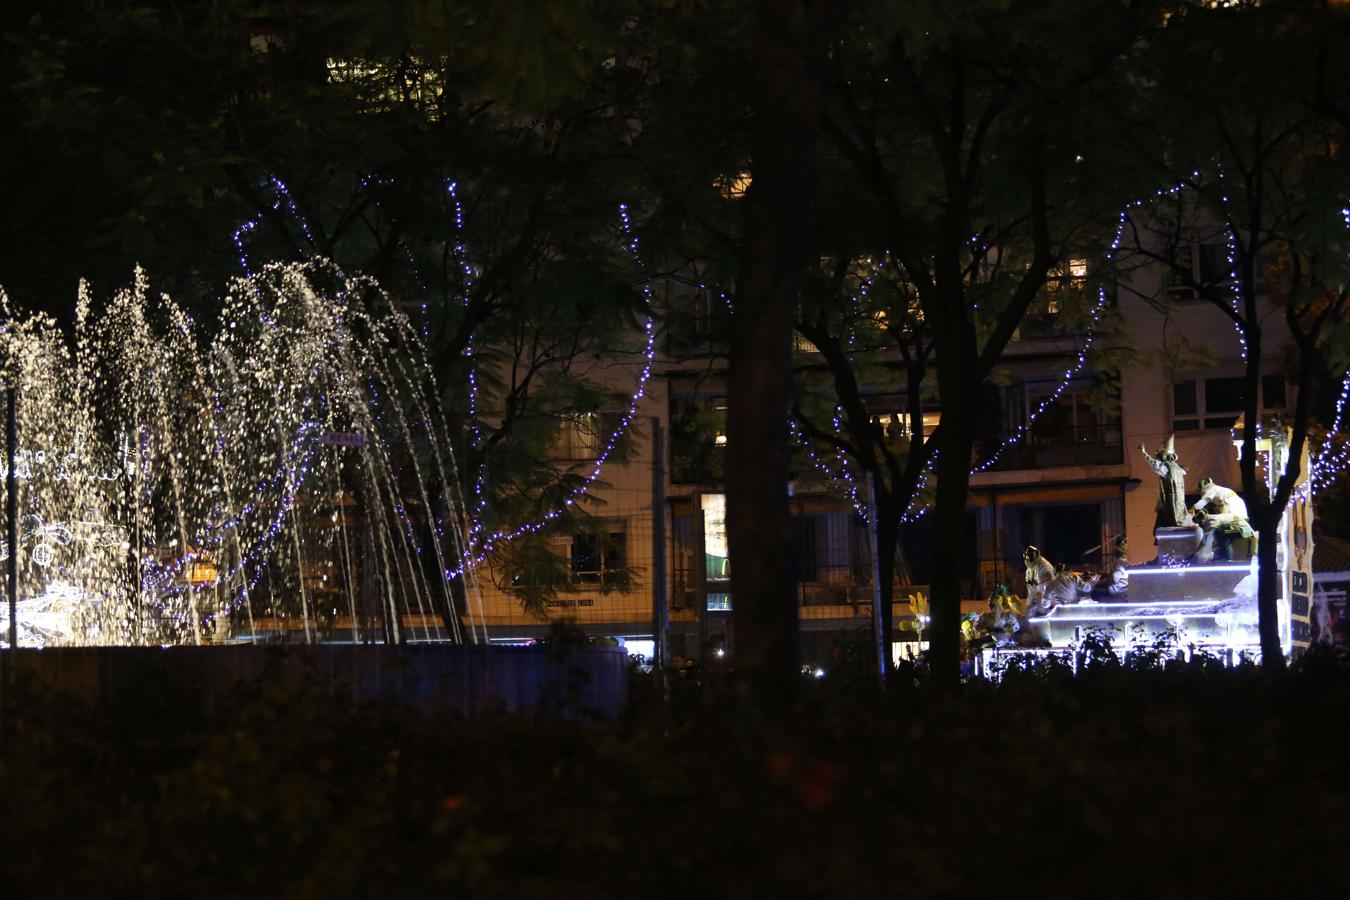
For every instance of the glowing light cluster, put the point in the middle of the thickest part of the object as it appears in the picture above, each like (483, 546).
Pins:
(1234, 283)
(168, 474)
(1330, 461)
(479, 540)
(830, 474)
(460, 254)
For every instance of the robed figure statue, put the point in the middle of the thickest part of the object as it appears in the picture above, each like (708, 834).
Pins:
(1171, 508)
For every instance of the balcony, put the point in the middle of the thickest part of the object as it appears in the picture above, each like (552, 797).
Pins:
(1098, 444)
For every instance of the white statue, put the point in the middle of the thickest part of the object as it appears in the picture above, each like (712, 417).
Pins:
(1047, 588)
(1171, 505)
(1004, 619)
(1222, 516)
(1117, 585)
(1040, 572)
(1066, 587)
(1222, 506)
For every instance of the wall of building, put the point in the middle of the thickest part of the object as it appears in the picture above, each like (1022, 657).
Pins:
(1095, 496)
(623, 495)
(1188, 340)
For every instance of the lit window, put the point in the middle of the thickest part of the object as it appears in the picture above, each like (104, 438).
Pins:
(733, 187)
(1071, 276)
(579, 437)
(381, 86)
(1058, 414)
(717, 566)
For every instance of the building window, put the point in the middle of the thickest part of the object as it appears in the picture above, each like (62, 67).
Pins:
(802, 344)
(696, 320)
(1272, 391)
(716, 553)
(382, 86)
(804, 548)
(697, 437)
(1202, 264)
(683, 558)
(1062, 305)
(734, 187)
(889, 416)
(600, 557)
(1059, 413)
(581, 436)
(1070, 276)
(1217, 402)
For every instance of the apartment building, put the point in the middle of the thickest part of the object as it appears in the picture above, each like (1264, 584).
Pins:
(1071, 483)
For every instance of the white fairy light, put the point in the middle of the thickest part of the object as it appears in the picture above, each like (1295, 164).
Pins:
(220, 453)
(915, 511)
(484, 543)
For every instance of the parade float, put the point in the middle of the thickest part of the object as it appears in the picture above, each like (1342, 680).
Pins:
(1197, 595)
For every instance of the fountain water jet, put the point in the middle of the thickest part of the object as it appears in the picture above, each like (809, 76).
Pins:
(185, 485)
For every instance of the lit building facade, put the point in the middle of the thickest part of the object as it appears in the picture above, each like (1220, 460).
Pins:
(1072, 485)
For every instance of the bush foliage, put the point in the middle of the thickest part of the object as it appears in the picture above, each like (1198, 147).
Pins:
(1159, 779)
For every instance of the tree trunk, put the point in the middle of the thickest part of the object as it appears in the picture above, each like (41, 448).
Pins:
(949, 514)
(887, 533)
(764, 603)
(1268, 590)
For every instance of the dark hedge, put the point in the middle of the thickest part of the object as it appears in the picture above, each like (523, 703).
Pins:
(1154, 780)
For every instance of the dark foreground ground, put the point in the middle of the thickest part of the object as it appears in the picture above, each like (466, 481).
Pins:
(1195, 782)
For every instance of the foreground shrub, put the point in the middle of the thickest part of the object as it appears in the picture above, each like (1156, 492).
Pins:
(1174, 780)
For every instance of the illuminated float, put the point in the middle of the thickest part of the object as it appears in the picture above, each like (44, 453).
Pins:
(1199, 593)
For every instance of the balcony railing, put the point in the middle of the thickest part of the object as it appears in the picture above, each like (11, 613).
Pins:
(1093, 445)
(1044, 326)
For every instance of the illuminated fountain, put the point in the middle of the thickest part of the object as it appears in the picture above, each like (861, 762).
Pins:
(283, 474)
